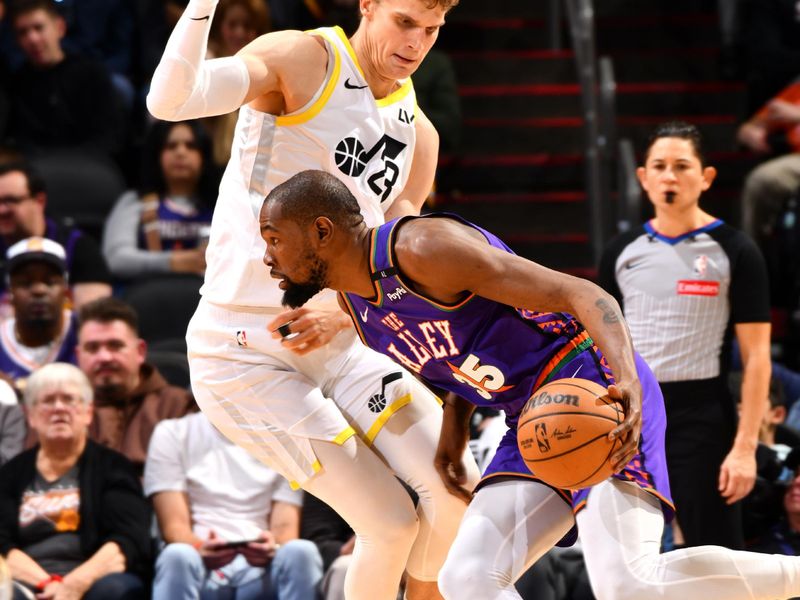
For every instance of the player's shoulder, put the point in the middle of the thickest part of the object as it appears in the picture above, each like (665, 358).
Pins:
(288, 48)
(419, 238)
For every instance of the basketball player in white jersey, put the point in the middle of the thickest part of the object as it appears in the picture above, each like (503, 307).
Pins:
(316, 405)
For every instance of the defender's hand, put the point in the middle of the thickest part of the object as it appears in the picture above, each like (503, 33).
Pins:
(307, 328)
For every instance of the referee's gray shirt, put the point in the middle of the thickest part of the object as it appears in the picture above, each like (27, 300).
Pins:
(682, 295)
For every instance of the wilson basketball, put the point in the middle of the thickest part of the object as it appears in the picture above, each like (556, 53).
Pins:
(563, 433)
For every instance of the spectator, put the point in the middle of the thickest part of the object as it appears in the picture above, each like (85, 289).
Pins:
(131, 396)
(42, 329)
(773, 129)
(12, 424)
(22, 214)
(59, 100)
(686, 281)
(772, 38)
(73, 521)
(784, 538)
(230, 523)
(103, 30)
(236, 24)
(160, 228)
(774, 431)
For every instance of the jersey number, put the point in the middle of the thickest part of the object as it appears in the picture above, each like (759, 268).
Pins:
(485, 379)
(352, 159)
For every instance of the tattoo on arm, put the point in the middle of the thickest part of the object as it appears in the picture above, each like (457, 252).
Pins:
(609, 314)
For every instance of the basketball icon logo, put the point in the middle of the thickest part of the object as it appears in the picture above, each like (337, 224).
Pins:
(349, 156)
(377, 402)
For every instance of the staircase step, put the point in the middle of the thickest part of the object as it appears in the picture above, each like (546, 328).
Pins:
(545, 221)
(547, 66)
(567, 134)
(563, 100)
(632, 31)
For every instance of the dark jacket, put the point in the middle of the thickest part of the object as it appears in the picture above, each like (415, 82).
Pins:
(113, 507)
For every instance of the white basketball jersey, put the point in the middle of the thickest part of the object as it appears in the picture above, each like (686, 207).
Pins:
(367, 143)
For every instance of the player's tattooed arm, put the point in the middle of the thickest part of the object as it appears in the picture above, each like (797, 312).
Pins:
(610, 314)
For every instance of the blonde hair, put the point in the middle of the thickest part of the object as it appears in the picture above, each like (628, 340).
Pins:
(445, 4)
(56, 375)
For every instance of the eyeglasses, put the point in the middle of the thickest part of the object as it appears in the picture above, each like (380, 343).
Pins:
(51, 402)
(14, 200)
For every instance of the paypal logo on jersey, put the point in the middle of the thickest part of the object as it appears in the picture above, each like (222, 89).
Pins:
(396, 294)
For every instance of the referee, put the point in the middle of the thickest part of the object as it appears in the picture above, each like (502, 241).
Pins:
(688, 282)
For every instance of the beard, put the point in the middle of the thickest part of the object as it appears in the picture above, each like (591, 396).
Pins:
(296, 294)
(110, 394)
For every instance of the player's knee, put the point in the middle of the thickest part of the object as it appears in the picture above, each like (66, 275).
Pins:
(466, 577)
(402, 527)
(632, 581)
(396, 529)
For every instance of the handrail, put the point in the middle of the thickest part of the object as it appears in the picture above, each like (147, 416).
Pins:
(554, 37)
(607, 139)
(629, 199)
(581, 20)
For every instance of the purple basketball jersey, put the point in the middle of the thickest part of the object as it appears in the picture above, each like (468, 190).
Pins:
(494, 355)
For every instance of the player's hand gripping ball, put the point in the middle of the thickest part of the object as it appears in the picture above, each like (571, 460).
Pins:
(563, 433)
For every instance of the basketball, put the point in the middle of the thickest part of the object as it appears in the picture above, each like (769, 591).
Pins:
(563, 433)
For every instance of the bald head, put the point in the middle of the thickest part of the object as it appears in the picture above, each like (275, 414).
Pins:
(311, 194)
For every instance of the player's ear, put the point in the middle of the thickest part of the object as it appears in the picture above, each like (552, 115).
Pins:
(323, 230)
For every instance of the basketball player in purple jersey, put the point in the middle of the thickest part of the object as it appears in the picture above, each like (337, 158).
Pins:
(451, 302)
(319, 100)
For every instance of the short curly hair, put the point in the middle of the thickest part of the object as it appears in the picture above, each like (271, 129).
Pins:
(445, 4)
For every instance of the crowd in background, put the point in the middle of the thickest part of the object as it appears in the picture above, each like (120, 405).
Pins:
(103, 210)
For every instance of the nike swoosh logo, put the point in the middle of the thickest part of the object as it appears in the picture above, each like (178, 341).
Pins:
(351, 86)
(631, 265)
(364, 314)
(200, 18)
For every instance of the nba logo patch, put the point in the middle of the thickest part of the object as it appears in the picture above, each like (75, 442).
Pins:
(700, 265)
(540, 431)
(241, 338)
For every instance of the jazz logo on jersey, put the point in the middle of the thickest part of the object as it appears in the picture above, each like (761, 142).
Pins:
(484, 379)
(396, 294)
(352, 159)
